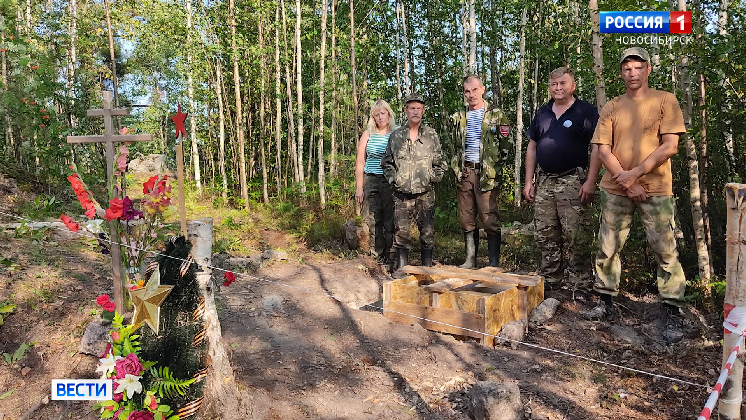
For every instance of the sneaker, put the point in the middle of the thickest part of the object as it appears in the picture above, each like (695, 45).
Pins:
(599, 313)
(674, 329)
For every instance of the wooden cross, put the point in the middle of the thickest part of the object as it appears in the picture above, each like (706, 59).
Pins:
(110, 138)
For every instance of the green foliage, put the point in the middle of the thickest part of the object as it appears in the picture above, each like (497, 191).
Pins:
(43, 207)
(165, 385)
(5, 309)
(17, 355)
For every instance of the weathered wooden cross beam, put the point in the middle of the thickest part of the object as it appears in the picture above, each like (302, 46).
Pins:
(109, 138)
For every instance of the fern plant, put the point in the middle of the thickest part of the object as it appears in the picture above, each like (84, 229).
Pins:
(165, 385)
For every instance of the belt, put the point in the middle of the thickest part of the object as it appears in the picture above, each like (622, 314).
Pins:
(472, 165)
(558, 175)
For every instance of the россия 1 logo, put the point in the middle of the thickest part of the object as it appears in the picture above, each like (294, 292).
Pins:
(646, 22)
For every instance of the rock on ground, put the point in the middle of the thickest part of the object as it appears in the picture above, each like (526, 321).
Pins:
(94, 339)
(544, 312)
(495, 401)
(356, 237)
(514, 331)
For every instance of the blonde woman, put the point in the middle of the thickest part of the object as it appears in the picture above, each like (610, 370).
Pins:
(371, 188)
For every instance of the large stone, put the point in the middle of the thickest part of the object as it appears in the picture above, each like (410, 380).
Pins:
(149, 165)
(94, 339)
(357, 237)
(513, 331)
(275, 255)
(544, 312)
(495, 401)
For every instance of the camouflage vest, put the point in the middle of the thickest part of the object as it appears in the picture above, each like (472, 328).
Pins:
(494, 148)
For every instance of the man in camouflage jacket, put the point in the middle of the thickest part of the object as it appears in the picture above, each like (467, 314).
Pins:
(413, 163)
(481, 134)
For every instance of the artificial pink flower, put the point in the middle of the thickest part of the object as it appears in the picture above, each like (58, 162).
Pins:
(129, 365)
(140, 415)
(122, 158)
(115, 335)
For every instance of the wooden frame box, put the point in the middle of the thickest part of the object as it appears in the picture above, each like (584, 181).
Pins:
(461, 302)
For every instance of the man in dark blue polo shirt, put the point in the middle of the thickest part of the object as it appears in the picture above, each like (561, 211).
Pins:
(564, 181)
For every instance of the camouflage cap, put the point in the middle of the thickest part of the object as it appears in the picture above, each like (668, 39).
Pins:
(414, 97)
(638, 52)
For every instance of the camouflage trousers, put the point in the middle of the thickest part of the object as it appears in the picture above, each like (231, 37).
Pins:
(657, 214)
(472, 201)
(418, 207)
(378, 214)
(561, 225)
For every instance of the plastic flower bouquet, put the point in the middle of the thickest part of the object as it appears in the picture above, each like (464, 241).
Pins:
(138, 386)
(139, 223)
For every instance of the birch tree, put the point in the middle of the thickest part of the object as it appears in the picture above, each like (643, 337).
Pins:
(703, 254)
(239, 109)
(519, 115)
(322, 59)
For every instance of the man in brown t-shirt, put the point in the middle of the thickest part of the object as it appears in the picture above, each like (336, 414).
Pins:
(637, 133)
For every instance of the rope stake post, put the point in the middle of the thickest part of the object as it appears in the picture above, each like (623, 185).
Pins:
(729, 406)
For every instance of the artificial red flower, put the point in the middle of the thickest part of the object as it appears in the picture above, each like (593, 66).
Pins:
(102, 299)
(34, 67)
(149, 184)
(70, 223)
(42, 125)
(228, 275)
(153, 404)
(109, 306)
(116, 207)
(43, 111)
(115, 335)
(46, 117)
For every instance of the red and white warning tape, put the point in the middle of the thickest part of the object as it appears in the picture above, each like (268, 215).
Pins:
(733, 324)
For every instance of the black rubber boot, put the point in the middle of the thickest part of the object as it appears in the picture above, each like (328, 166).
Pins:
(471, 241)
(427, 257)
(403, 257)
(493, 249)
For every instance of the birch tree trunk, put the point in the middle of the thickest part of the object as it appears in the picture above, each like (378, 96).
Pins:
(703, 255)
(333, 127)
(472, 39)
(111, 45)
(464, 41)
(355, 104)
(519, 115)
(398, 55)
(221, 125)
(72, 58)
(239, 109)
(322, 59)
(9, 141)
(405, 41)
(704, 117)
(598, 56)
(722, 27)
(278, 103)
(291, 116)
(299, 92)
(192, 108)
(262, 97)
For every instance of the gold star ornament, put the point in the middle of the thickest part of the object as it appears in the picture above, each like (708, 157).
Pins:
(147, 301)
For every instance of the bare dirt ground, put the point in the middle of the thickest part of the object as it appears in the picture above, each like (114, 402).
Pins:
(299, 354)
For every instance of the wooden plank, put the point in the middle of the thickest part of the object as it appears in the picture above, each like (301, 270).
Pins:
(118, 112)
(408, 290)
(499, 309)
(105, 138)
(446, 285)
(492, 277)
(459, 319)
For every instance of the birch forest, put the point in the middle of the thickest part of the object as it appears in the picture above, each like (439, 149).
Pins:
(279, 91)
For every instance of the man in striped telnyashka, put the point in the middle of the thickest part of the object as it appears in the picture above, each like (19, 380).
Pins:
(481, 131)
